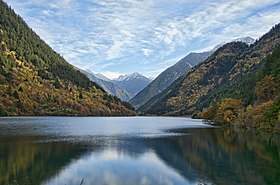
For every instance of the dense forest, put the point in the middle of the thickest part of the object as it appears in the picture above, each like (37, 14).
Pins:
(263, 112)
(35, 80)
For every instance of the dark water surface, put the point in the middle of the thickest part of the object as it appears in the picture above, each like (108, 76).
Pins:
(133, 151)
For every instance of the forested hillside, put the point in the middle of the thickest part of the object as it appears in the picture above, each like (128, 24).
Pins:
(240, 83)
(35, 80)
(262, 111)
(188, 89)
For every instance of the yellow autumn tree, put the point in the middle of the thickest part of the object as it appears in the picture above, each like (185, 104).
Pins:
(210, 112)
(228, 111)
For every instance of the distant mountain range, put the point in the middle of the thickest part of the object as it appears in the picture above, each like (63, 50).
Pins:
(123, 87)
(172, 73)
(108, 85)
(132, 83)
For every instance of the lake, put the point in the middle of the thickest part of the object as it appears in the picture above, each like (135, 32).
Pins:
(133, 151)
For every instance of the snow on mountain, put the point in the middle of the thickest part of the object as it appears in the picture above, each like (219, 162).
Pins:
(132, 83)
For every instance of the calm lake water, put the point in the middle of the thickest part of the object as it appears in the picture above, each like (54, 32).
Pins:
(133, 151)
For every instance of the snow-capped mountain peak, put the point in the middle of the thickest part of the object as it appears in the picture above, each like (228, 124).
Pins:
(132, 83)
(129, 77)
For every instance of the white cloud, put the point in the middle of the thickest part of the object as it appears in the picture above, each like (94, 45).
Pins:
(111, 75)
(147, 52)
(115, 50)
(218, 15)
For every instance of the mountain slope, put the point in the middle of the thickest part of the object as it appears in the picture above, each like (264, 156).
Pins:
(35, 80)
(244, 76)
(255, 102)
(167, 77)
(199, 80)
(108, 86)
(132, 83)
(214, 77)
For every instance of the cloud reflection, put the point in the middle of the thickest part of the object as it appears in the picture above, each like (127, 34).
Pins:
(112, 166)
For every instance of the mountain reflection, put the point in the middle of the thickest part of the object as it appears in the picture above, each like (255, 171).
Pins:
(203, 156)
(26, 160)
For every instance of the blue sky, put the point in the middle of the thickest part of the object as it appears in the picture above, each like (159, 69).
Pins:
(116, 37)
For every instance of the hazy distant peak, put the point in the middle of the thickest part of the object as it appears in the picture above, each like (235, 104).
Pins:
(102, 77)
(135, 74)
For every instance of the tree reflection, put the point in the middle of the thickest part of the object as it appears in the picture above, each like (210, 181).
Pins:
(224, 156)
(219, 156)
(24, 160)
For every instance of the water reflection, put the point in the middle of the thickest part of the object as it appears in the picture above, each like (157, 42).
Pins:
(231, 157)
(27, 160)
(203, 156)
(111, 166)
